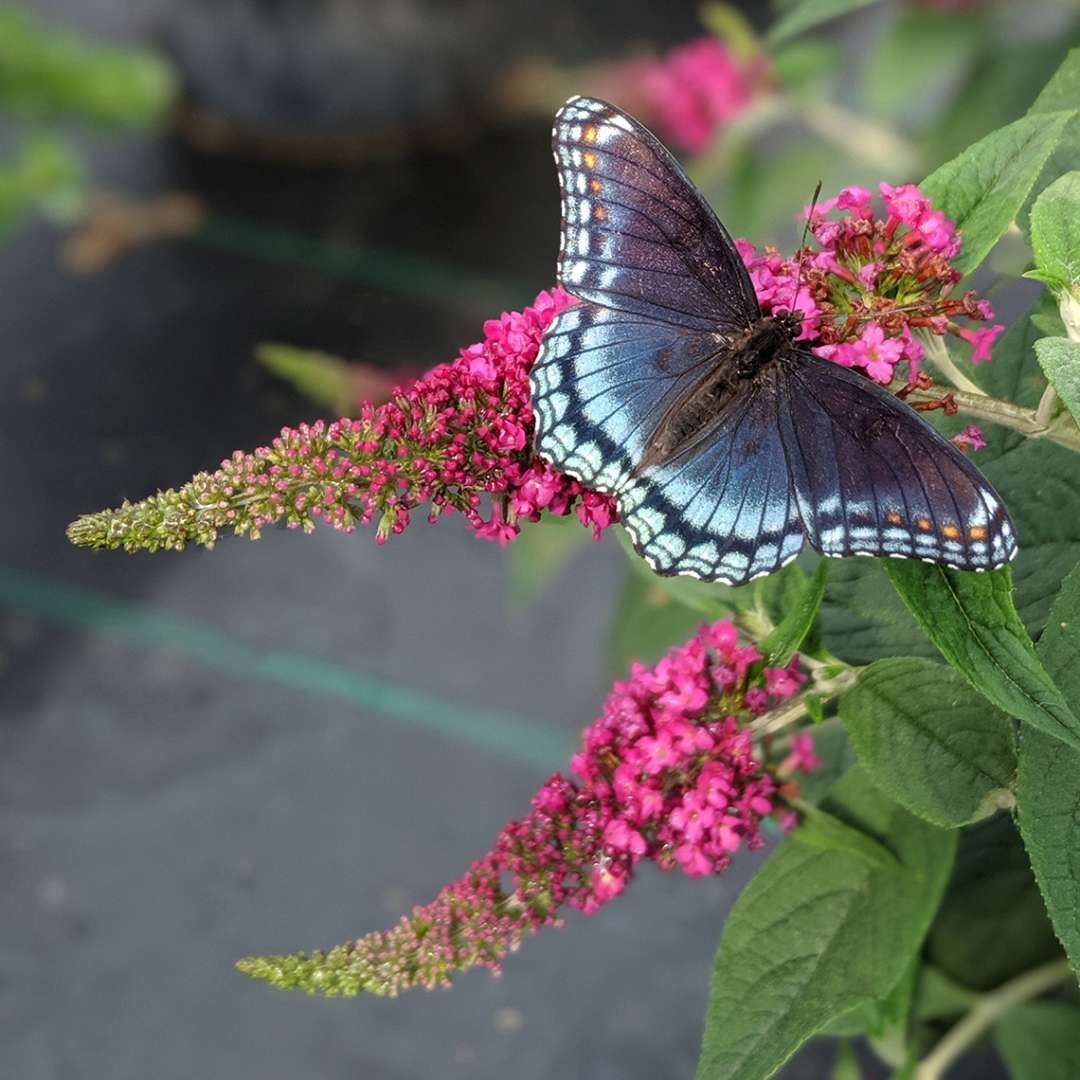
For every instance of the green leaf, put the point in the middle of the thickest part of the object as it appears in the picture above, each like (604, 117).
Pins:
(862, 619)
(324, 378)
(779, 646)
(1063, 89)
(834, 750)
(1055, 232)
(984, 188)
(938, 996)
(818, 828)
(970, 617)
(1040, 1040)
(929, 741)
(732, 27)
(992, 924)
(817, 933)
(810, 13)
(1060, 360)
(1048, 785)
(540, 553)
(802, 62)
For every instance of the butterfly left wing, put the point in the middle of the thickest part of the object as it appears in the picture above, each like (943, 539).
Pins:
(872, 477)
(636, 234)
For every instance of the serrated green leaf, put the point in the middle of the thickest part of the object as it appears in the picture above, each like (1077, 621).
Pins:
(810, 13)
(539, 554)
(1048, 785)
(1055, 231)
(992, 924)
(1060, 360)
(820, 829)
(1063, 89)
(983, 188)
(780, 645)
(817, 933)
(929, 741)
(971, 618)
(1040, 1040)
(862, 619)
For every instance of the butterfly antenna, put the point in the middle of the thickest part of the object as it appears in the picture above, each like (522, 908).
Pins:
(802, 245)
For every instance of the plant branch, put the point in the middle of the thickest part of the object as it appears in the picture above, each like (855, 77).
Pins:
(986, 1011)
(858, 136)
(938, 354)
(1027, 421)
(1045, 409)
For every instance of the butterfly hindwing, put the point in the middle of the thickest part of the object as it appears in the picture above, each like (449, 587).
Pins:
(726, 512)
(636, 234)
(873, 478)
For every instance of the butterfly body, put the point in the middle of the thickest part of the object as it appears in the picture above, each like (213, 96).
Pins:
(726, 446)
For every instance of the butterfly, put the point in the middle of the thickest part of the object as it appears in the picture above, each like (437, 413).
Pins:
(725, 446)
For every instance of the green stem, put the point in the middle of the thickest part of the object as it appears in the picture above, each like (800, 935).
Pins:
(858, 136)
(986, 1011)
(1027, 421)
(937, 352)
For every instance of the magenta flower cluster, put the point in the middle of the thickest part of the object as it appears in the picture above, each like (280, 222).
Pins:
(668, 773)
(872, 280)
(688, 93)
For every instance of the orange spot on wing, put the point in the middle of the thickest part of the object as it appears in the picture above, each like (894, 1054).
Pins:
(923, 523)
(977, 532)
(951, 531)
(599, 213)
(590, 159)
(893, 518)
(595, 184)
(589, 135)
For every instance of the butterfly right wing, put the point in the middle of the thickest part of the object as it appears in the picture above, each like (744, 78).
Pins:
(872, 477)
(636, 234)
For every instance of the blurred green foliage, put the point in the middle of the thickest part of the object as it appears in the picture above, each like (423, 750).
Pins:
(50, 75)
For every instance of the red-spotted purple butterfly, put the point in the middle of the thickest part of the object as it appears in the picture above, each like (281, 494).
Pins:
(725, 446)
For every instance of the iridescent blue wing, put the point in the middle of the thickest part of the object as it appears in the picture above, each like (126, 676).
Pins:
(600, 383)
(636, 235)
(873, 478)
(726, 512)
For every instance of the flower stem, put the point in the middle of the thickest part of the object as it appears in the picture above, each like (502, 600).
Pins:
(858, 136)
(986, 1011)
(1028, 422)
(1045, 408)
(938, 353)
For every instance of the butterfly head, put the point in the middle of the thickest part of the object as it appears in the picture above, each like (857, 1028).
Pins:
(789, 323)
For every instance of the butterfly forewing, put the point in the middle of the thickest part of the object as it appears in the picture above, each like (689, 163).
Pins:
(873, 478)
(636, 235)
(602, 379)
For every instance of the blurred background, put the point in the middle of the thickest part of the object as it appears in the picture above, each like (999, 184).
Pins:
(222, 216)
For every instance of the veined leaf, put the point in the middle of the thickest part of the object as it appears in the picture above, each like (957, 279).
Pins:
(1055, 232)
(1060, 360)
(1048, 786)
(929, 741)
(820, 932)
(983, 189)
(970, 617)
(793, 628)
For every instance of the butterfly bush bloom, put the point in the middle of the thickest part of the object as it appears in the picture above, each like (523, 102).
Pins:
(668, 773)
(457, 439)
(690, 92)
(872, 280)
